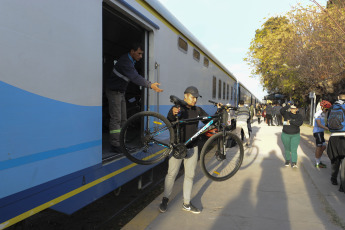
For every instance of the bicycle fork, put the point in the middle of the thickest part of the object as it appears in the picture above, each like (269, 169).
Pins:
(221, 145)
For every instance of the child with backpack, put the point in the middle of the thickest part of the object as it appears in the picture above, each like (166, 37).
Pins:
(336, 143)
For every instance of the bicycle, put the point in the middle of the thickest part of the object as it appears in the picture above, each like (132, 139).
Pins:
(221, 156)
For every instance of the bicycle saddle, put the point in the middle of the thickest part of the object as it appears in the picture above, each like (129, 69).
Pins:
(177, 101)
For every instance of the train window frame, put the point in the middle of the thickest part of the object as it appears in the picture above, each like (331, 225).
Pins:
(182, 44)
(206, 62)
(219, 89)
(196, 55)
(214, 87)
(232, 93)
(224, 90)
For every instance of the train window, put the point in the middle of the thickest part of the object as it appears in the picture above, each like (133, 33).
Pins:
(223, 90)
(182, 45)
(220, 89)
(214, 87)
(227, 92)
(206, 61)
(196, 55)
(232, 92)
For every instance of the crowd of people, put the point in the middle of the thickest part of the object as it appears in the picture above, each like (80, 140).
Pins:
(329, 118)
(270, 113)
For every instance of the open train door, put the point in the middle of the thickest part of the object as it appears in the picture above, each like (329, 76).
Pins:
(122, 25)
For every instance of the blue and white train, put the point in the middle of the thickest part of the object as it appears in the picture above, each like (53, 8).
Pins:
(54, 149)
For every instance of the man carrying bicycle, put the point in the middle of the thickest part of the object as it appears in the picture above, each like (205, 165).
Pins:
(191, 95)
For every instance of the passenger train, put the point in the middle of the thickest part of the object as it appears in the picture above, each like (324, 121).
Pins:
(55, 55)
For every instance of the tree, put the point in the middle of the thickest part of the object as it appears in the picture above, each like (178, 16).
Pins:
(301, 51)
(270, 55)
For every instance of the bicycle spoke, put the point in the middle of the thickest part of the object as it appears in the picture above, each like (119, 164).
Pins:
(221, 157)
(150, 145)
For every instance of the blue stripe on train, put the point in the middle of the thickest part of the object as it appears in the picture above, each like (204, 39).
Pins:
(43, 139)
(21, 202)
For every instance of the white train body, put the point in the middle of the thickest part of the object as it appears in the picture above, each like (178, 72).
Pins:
(55, 56)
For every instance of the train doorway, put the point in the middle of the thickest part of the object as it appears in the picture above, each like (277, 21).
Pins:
(118, 33)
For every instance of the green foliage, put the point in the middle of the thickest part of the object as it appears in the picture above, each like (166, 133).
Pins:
(300, 51)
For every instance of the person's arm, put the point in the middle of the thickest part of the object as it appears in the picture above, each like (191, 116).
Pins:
(236, 113)
(318, 123)
(128, 70)
(298, 121)
(155, 87)
(283, 110)
(173, 113)
(202, 112)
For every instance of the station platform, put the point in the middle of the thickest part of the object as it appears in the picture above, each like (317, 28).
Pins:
(264, 194)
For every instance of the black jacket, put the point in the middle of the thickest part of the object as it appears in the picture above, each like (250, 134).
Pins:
(125, 67)
(188, 130)
(296, 120)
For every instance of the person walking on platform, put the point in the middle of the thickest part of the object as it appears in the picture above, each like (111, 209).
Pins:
(259, 113)
(269, 114)
(242, 115)
(318, 132)
(252, 112)
(291, 133)
(191, 95)
(336, 143)
(117, 82)
(278, 116)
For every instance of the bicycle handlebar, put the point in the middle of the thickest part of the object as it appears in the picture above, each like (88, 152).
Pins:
(227, 106)
(177, 101)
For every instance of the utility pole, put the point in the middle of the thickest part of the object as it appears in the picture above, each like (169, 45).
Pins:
(312, 107)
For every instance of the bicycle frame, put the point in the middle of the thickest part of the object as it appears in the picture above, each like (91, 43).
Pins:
(186, 121)
(201, 130)
(214, 119)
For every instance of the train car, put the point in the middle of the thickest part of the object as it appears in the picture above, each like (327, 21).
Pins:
(244, 94)
(54, 57)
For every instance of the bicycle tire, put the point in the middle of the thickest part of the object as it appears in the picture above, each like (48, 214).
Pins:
(219, 167)
(146, 138)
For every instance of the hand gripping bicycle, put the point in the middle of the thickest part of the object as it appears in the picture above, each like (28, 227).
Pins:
(148, 137)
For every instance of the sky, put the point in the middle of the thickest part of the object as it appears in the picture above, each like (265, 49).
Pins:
(226, 28)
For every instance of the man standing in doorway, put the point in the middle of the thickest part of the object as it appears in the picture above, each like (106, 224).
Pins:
(117, 82)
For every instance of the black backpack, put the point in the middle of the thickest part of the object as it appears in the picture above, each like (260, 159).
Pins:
(336, 118)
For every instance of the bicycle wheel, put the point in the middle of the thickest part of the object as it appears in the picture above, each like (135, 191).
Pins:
(146, 138)
(221, 157)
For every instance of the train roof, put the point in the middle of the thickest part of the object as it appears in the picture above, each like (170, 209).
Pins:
(157, 6)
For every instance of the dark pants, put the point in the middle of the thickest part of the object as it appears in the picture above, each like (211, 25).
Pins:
(335, 168)
(336, 152)
(118, 115)
(269, 119)
(279, 119)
